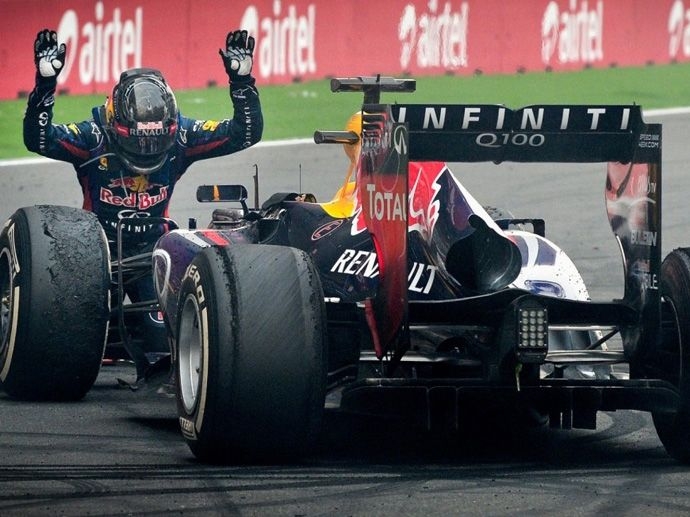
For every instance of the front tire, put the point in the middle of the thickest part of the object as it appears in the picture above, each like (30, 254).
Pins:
(251, 356)
(674, 354)
(54, 302)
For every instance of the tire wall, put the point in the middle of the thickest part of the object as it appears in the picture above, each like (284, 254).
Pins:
(258, 347)
(314, 39)
(61, 279)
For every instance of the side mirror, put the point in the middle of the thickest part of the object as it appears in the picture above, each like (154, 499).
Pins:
(215, 193)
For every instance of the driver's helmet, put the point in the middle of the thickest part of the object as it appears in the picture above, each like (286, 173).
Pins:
(141, 119)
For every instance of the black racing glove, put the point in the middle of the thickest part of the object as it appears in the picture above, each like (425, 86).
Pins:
(49, 57)
(238, 56)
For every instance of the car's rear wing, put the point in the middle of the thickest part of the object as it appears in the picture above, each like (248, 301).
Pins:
(496, 133)
(612, 134)
(540, 133)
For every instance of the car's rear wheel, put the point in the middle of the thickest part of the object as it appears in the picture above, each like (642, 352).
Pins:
(54, 302)
(673, 355)
(251, 354)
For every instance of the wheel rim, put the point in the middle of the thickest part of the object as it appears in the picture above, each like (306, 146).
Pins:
(190, 343)
(5, 300)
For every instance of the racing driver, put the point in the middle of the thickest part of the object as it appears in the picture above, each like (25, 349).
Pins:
(136, 146)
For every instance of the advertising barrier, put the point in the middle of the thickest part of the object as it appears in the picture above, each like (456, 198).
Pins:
(313, 39)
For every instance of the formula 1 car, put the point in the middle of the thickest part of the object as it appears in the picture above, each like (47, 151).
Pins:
(402, 294)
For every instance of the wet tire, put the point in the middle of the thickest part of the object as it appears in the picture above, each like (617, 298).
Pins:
(674, 354)
(251, 356)
(54, 305)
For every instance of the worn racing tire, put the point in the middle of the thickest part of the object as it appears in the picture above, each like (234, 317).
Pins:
(54, 305)
(674, 428)
(251, 357)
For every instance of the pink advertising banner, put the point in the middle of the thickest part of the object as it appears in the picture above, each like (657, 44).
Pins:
(303, 39)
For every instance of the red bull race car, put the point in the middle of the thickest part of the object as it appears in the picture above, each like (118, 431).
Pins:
(401, 295)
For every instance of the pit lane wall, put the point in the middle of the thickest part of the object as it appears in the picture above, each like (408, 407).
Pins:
(313, 39)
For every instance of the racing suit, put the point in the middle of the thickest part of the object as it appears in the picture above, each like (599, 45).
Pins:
(113, 192)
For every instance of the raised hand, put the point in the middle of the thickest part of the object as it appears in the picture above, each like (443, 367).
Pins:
(49, 57)
(238, 56)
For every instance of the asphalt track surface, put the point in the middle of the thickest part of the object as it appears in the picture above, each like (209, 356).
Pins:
(119, 452)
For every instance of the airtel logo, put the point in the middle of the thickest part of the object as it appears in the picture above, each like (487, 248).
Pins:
(574, 35)
(437, 38)
(679, 30)
(105, 48)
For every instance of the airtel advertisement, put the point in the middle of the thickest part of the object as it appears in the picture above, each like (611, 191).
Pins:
(300, 40)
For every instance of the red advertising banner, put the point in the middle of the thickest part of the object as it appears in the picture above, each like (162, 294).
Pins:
(303, 39)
